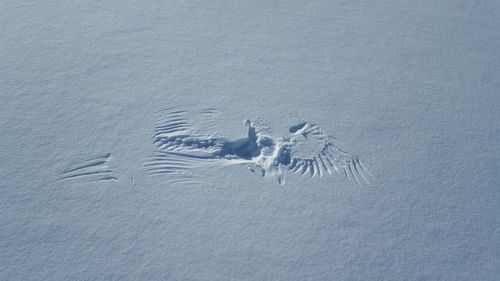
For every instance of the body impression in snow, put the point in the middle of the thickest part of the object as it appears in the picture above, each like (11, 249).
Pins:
(305, 151)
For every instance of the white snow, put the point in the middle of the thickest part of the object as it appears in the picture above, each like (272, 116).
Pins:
(408, 88)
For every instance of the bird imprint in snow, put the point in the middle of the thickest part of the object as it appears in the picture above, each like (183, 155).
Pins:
(307, 150)
(91, 169)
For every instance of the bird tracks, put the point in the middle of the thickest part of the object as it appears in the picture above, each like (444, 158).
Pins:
(187, 144)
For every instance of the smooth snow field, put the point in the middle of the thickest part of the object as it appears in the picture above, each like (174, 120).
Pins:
(249, 140)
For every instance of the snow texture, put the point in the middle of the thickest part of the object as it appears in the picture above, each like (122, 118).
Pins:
(257, 140)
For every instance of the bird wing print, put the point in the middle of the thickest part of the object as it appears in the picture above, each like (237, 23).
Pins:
(314, 154)
(307, 151)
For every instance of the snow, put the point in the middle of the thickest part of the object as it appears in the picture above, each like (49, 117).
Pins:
(409, 88)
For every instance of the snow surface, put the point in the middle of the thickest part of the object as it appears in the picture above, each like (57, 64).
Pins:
(409, 87)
